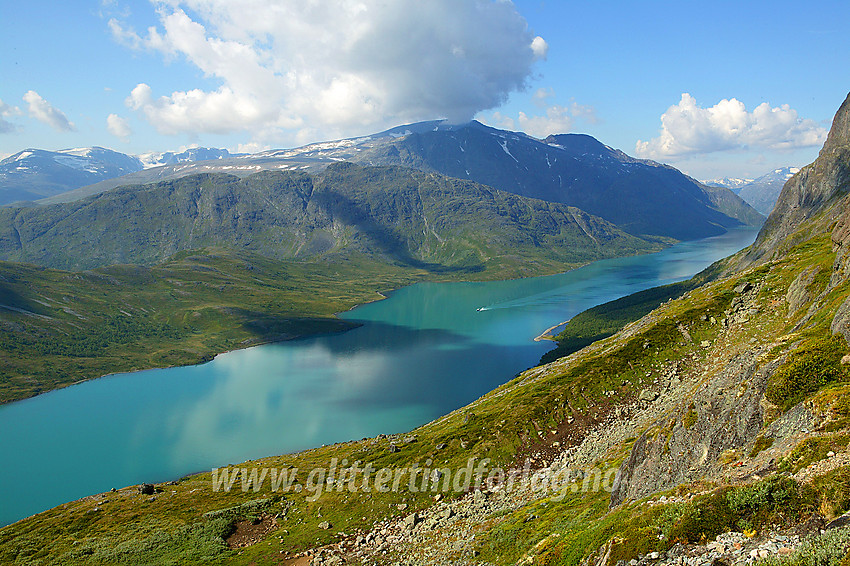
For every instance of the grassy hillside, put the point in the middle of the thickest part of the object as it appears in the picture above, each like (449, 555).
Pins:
(604, 320)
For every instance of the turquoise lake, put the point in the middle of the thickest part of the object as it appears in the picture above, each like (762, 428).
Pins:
(421, 353)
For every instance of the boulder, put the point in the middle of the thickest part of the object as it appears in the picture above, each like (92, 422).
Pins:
(743, 287)
(647, 395)
(410, 521)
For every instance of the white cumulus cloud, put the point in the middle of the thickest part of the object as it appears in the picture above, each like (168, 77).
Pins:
(118, 126)
(7, 111)
(540, 47)
(220, 111)
(44, 112)
(556, 119)
(688, 129)
(287, 68)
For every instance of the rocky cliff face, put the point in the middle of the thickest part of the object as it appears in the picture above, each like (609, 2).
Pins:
(815, 190)
(710, 415)
(815, 200)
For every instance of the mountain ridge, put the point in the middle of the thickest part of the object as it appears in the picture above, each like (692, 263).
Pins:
(32, 174)
(640, 196)
(36, 174)
(734, 184)
(423, 220)
(157, 159)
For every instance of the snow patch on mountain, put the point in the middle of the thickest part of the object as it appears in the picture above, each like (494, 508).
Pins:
(75, 162)
(190, 155)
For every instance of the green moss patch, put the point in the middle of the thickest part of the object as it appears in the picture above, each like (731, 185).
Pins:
(808, 369)
(762, 443)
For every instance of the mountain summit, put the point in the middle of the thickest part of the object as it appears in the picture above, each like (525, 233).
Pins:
(640, 196)
(37, 173)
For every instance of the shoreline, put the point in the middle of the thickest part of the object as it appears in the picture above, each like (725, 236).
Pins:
(255, 342)
(546, 334)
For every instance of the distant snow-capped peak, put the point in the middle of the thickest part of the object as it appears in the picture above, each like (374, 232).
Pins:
(728, 182)
(780, 174)
(159, 158)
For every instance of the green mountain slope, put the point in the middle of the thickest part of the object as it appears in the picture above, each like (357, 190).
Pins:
(402, 216)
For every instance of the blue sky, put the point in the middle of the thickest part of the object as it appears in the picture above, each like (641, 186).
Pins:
(715, 89)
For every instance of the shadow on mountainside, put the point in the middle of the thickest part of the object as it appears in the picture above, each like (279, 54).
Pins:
(383, 238)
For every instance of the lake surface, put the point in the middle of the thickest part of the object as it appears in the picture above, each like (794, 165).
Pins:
(423, 352)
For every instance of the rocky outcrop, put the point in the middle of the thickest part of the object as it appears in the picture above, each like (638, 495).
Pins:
(841, 321)
(728, 548)
(727, 412)
(840, 238)
(798, 292)
(686, 445)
